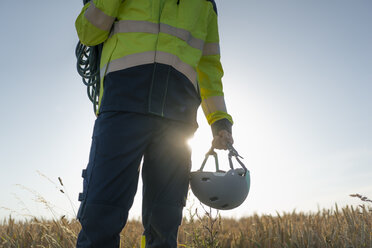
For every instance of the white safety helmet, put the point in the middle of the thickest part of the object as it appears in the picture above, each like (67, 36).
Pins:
(220, 189)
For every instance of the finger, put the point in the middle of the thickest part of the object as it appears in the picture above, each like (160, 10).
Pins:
(226, 136)
(219, 143)
(231, 140)
(223, 133)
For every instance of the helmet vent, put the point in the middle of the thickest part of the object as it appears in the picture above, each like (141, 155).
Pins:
(224, 206)
(214, 198)
(206, 179)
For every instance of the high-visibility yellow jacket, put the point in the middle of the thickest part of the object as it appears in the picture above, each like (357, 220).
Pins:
(159, 56)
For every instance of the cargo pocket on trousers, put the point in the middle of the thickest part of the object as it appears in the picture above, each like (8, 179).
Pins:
(86, 175)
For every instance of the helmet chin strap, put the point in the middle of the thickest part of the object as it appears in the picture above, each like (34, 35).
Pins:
(211, 152)
(232, 153)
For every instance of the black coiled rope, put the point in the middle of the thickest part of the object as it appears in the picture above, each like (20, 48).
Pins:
(88, 67)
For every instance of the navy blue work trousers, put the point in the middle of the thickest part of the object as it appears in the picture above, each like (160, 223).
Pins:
(120, 141)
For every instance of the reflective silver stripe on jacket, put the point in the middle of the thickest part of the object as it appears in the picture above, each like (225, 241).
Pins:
(148, 58)
(211, 49)
(213, 104)
(129, 26)
(183, 35)
(98, 18)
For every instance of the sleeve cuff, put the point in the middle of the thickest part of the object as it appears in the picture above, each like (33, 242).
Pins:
(223, 124)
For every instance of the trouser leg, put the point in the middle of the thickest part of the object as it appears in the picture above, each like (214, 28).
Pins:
(165, 173)
(110, 179)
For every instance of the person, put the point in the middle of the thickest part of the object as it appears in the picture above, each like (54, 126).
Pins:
(160, 60)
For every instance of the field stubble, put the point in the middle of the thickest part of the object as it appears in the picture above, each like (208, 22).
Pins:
(346, 227)
(203, 228)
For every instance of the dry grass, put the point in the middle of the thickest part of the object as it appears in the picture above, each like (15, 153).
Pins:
(346, 227)
(339, 228)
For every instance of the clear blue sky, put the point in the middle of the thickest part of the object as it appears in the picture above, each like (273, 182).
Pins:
(298, 83)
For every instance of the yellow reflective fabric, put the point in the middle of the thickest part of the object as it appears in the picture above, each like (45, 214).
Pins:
(151, 57)
(129, 26)
(89, 34)
(130, 61)
(211, 49)
(132, 26)
(218, 115)
(95, 21)
(143, 241)
(210, 72)
(213, 104)
(183, 35)
(98, 18)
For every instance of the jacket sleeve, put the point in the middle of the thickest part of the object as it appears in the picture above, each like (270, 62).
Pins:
(94, 23)
(210, 72)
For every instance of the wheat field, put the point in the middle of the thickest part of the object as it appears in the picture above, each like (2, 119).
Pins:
(346, 227)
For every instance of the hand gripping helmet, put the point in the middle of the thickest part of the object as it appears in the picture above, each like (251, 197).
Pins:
(220, 189)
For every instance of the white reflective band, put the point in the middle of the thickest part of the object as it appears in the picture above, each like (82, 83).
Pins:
(149, 58)
(130, 26)
(211, 49)
(130, 61)
(183, 34)
(213, 104)
(179, 65)
(98, 18)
